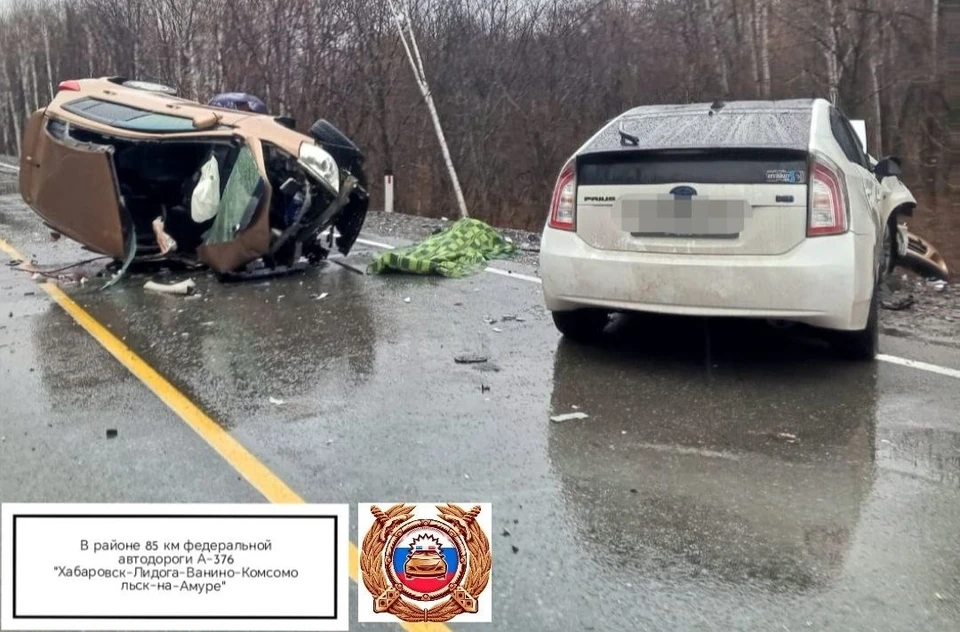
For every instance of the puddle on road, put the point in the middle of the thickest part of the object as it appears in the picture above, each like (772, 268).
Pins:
(798, 431)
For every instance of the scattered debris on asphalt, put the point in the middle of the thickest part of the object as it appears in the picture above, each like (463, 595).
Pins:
(277, 402)
(932, 318)
(497, 330)
(515, 548)
(470, 358)
(347, 266)
(183, 288)
(111, 433)
(320, 297)
(786, 436)
(899, 304)
(463, 248)
(569, 417)
(406, 300)
(531, 244)
(484, 388)
(505, 533)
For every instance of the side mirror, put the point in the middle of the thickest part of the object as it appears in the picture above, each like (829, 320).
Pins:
(889, 166)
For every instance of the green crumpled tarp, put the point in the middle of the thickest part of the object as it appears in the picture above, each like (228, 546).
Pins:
(461, 249)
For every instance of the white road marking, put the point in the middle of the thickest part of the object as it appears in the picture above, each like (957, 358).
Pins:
(514, 275)
(375, 244)
(9, 168)
(922, 366)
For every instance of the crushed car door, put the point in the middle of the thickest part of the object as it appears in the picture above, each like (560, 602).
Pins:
(73, 187)
(241, 228)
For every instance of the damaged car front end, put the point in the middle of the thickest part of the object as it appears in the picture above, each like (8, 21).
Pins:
(145, 176)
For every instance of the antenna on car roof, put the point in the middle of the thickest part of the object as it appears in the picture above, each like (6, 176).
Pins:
(626, 138)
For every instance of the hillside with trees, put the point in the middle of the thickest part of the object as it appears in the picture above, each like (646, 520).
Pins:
(519, 84)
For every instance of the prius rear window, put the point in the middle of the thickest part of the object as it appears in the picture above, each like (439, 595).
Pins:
(126, 117)
(715, 166)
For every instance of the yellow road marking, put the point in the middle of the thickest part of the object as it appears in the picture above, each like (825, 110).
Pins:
(240, 459)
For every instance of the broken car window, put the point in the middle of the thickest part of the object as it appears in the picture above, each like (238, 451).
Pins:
(239, 200)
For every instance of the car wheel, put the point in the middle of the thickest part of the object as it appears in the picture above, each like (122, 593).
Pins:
(585, 325)
(863, 345)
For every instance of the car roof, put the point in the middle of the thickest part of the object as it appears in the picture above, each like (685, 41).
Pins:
(734, 124)
(105, 90)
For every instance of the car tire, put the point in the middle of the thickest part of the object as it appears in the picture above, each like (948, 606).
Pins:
(584, 325)
(863, 345)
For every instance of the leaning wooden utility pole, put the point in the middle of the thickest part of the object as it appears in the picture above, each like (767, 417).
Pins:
(416, 63)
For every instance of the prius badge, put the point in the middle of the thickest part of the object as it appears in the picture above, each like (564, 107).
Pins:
(683, 193)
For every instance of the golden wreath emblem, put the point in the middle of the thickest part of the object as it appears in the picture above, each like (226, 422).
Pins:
(406, 562)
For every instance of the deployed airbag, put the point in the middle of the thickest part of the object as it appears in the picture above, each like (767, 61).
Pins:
(206, 195)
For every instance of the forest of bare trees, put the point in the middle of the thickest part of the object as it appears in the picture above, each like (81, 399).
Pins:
(519, 84)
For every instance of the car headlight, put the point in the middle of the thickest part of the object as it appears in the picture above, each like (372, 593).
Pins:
(320, 164)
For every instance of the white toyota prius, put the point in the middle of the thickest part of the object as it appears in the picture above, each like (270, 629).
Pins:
(759, 209)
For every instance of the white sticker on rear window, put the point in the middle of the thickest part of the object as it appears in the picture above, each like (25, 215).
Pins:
(786, 176)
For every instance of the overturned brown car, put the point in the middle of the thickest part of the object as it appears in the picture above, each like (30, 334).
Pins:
(133, 172)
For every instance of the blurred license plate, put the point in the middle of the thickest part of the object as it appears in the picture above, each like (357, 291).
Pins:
(667, 216)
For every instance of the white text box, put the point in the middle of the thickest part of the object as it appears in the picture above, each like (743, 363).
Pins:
(174, 567)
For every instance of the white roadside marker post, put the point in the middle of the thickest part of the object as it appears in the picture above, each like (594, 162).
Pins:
(388, 192)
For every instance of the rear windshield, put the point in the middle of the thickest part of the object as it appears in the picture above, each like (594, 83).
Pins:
(749, 124)
(126, 117)
(707, 167)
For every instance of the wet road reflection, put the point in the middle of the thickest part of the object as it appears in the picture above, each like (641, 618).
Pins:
(242, 341)
(749, 465)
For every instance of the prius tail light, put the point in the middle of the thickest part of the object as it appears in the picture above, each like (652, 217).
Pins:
(563, 208)
(828, 200)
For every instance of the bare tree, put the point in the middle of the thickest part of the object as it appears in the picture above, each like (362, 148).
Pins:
(518, 84)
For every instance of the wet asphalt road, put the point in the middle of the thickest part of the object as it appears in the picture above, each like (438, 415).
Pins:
(729, 476)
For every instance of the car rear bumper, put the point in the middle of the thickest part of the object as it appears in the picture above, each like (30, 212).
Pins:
(824, 282)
